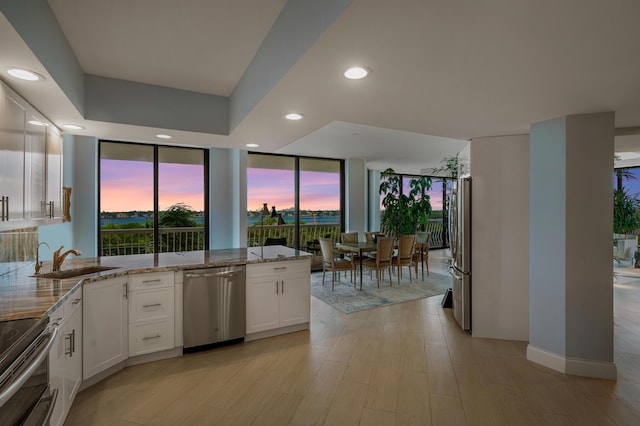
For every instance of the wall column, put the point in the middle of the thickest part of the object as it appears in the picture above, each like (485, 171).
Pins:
(228, 198)
(356, 196)
(570, 231)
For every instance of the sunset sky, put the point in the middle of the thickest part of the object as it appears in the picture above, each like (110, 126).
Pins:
(128, 185)
(318, 190)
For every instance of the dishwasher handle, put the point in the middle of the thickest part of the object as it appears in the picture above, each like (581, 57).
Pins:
(223, 274)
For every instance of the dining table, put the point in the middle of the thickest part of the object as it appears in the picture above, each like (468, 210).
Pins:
(359, 247)
(362, 247)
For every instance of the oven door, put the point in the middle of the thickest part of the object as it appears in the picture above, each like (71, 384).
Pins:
(24, 386)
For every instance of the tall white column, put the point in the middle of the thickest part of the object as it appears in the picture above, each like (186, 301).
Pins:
(570, 231)
(228, 198)
(356, 195)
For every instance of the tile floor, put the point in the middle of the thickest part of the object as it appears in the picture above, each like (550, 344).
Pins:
(402, 364)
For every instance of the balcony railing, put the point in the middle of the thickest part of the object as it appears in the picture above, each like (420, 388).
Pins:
(117, 242)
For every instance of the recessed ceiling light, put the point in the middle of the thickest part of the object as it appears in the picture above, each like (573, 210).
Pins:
(23, 74)
(72, 127)
(37, 123)
(252, 145)
(293, 116)
(163, 136)
(356, 73)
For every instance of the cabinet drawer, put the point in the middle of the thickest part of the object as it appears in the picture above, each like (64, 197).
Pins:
(151, 280)
(150, 337)
(278, 268)
(73, 302)
(149, 305)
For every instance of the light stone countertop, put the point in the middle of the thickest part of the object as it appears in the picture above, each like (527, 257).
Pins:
(24, 296)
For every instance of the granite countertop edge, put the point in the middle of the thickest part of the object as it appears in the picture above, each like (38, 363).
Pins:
(23, 295)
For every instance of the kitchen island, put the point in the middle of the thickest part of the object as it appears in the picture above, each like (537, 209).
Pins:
(23, 296)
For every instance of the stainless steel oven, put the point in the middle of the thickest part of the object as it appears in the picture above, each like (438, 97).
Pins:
(25, 398)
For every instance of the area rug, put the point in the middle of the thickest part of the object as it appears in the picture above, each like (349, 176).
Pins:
(347, 299)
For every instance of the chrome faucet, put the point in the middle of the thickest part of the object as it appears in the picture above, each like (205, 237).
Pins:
(38, 264)
(59, 258)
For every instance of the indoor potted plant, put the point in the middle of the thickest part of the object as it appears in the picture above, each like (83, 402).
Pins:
(625, 222)
(403, 213)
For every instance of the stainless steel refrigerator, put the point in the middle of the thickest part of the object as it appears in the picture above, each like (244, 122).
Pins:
(460, 240)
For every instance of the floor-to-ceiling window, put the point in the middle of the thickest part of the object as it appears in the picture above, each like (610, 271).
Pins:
(439, 194)
(304, 198)
(152, 199)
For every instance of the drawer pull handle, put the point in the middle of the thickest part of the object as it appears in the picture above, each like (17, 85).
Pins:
(281, 268)
(152, 305)
(157, 280)
(75, 301)
(157, 336)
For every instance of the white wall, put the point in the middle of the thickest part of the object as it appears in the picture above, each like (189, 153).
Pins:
(500, 237)
(374, 201)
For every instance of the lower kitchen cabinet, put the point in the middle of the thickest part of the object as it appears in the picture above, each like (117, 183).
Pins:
(278, 295)
(104, 318)
(151, 312)
(65, 357)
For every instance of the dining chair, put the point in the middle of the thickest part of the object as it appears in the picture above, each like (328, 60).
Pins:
(349, 237)
(382, 261)
(422, 255)
(405, 255)
(332, 263)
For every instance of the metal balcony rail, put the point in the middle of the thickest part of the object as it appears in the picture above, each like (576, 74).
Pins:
(118, 242)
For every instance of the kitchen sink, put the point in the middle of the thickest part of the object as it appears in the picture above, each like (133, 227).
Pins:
(76, 272)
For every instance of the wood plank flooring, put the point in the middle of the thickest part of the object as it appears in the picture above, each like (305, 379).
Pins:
(404, 364)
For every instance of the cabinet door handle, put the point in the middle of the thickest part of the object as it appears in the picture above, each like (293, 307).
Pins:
(282, 284)
(5, 208)
(152, 305)
(126, 290)
(280, 268)
(75, 301)
(70, 350)
(157, 280)
(277, 288)
(157, 336)
(73, 342)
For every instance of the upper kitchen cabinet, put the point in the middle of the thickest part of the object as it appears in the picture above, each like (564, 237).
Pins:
(12, 148)
(53, 203)
(35, 165)
(30, 165)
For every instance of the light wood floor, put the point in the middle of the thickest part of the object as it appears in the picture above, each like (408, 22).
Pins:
(402, 364)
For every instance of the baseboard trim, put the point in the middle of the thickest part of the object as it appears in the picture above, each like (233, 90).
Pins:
(575, 366)
(155, 356)
(276, 332)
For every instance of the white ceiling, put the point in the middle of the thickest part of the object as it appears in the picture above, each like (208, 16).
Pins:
(454, 69)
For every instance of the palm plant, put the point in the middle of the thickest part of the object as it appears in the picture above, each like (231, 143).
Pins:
(625, 212)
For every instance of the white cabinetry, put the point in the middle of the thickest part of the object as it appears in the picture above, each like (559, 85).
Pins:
(53, 199)
(105, 325)
(278, 296)
(30, 165)
(12, 125)
(65, 357)
(151, 312)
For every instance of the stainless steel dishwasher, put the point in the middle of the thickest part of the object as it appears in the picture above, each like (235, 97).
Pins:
(214, 305)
